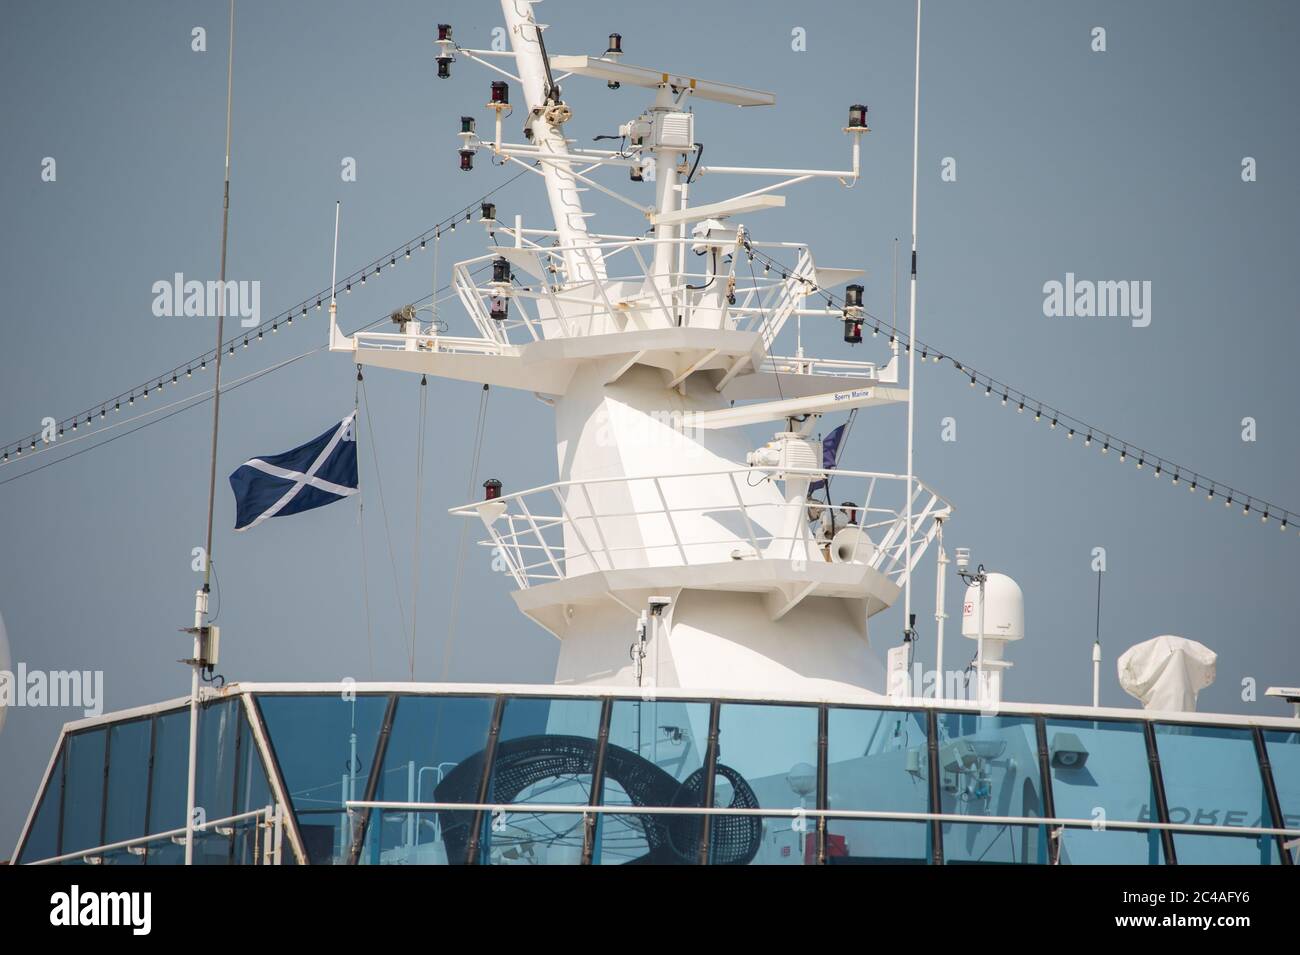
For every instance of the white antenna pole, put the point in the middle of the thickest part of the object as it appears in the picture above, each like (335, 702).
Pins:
(334, 279)
(893, 301)
(201, 598)
(334, 263)
(911, 326)
(1096, 650)
(940, 611)
(433, 306)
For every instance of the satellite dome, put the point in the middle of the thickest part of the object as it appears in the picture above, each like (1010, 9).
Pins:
(1004, 610)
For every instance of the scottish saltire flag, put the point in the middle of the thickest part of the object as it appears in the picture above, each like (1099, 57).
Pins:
(320, 472)
(830, 454)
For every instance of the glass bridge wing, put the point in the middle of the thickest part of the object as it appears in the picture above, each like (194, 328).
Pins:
(433, 776)
(116, 792)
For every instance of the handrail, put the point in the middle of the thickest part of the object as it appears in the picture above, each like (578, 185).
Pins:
(530, 540)
(471, 509)
(154, 837)
(768, 301)
(884, 815)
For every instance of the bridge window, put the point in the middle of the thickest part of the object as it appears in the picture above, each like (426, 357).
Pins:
(655, 757)
(434, 754)
(773, 751)
(988, 766)
(1100, 772)
(546, 754)
(877, 760)
(324, 746)
(1283, 747)
(1212, 777)
(128, 786)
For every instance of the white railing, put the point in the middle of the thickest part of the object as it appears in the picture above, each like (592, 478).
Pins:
(429, 341)
(267, 824)
(570, 528)
(540, 306)
(776, 364)
(882, 815)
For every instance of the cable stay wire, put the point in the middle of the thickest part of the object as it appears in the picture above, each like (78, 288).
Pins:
(365, 562)
(480, 428)
(35, 443)
(1071, 424)
(383, 509)
(419, 501)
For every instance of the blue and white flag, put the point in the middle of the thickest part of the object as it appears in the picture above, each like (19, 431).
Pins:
(830, 454)
(320, 472)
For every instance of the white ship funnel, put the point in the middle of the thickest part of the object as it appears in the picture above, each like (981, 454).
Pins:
(1167, 672)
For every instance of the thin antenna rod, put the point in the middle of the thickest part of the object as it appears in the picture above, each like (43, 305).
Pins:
(221, 305)
(334, 281)
(893, 307)
(1096, 650)
(334, 267)
(911, 325)
(201, 598)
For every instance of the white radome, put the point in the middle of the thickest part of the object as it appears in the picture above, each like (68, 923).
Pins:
(1004, 610)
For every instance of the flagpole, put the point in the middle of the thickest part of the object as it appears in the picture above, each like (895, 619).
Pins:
(201, 598)
(911, 332)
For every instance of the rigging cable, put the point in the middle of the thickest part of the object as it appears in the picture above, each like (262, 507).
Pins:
(191, 401)
(762, 314)
(419, 500)
(1285, 517)
(480, 428)
(361, 524)
(178, 406)
(383, 509)
(253, 334)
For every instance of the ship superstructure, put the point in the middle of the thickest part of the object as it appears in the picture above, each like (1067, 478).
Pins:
(718, 699)
(656, 350)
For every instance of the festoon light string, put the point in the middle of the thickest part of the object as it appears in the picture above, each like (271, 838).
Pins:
(1070, 425)
(37, 441)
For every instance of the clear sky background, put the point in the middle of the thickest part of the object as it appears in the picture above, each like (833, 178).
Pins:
(1117, 165)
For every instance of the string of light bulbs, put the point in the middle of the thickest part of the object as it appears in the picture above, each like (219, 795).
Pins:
(36, 442)
(1070, 425)
(163, 412)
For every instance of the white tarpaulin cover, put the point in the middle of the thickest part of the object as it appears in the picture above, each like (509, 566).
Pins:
(1166, 673)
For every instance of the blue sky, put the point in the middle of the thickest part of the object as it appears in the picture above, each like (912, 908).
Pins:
(1122, 165)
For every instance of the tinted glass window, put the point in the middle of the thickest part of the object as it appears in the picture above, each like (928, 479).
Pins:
(655, 757)
(168, 784)
(434, 754)
(1284, 756)
(1100, 772)
(324, 745)
(767, 759)
(128, 781)
(215, 773)
(84, 791)
(988, 766)
(43, 837)
(877, 760)
(546, 754)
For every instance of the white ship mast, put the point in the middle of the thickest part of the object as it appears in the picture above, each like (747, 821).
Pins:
(670, 552)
